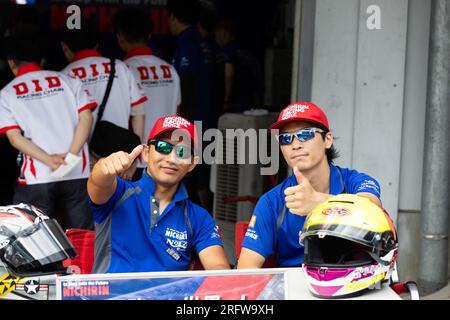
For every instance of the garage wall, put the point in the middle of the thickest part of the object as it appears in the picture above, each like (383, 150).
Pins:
(372, 85)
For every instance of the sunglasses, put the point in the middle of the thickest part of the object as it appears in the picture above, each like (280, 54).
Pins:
(164, 147)
(302, 135)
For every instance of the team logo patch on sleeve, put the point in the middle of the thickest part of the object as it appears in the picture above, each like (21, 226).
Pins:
(251, 234)
(216, 233)
(368, 185)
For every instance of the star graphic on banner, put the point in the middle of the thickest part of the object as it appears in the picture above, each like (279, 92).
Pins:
(31, 286)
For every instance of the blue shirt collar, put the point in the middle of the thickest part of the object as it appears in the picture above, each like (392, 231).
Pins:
(336, 180)
(187, 32)
(149, 184)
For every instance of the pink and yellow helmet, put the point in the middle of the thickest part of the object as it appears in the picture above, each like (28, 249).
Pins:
(350, 246)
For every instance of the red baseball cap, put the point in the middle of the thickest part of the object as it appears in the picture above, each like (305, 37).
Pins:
(171, 123)
(301, 111)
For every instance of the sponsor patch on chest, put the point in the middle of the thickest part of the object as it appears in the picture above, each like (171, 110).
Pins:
(176, 239)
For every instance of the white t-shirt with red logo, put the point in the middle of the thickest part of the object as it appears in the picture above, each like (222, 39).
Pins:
(93, 70)
(45, 105)
(160, 82)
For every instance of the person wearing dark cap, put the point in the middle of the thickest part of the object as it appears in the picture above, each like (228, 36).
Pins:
(150, 224)
(306, 143)
(194, 64)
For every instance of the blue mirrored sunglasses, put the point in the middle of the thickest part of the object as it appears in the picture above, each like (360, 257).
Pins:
(302, 135)
(164, 147)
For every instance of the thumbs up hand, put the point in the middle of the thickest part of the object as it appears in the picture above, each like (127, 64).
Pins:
(299, 176)
(118, 162)
(302, 198)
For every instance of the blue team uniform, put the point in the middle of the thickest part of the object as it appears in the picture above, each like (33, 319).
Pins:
(266, 238)
(133, 236)
(192, 55)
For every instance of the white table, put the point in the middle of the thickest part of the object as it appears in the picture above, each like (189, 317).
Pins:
(285, 283)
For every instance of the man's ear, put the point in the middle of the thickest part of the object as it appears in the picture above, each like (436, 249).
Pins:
(13, 66)
(172, 18)
(145, 153)
(67, 52)
(119, 37)
(329, 139)
(121, 41)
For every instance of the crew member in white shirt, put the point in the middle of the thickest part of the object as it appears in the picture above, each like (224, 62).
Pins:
(126, 97)
(46, 115)
(158, 79)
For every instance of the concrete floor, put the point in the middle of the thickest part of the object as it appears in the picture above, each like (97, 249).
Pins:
(443, 294)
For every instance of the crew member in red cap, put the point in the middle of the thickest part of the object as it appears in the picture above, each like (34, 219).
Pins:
(150, 224)
(307, 146)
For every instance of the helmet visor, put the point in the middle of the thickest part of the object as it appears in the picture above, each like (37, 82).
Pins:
(349, 232)
(39, 245)
(335, 252)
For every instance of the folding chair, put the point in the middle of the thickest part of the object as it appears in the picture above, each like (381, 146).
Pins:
(83, 241)
(241, 229)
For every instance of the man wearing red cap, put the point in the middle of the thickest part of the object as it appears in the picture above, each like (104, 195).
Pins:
(307, 146)
(150, 224)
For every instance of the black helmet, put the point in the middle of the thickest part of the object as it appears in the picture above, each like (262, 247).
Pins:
(31, 243)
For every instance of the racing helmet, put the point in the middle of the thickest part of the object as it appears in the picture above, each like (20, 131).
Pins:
(350, 245)
(30, 242)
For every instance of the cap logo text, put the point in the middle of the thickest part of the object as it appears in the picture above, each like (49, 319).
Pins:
(176, 122)
(293, 110)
